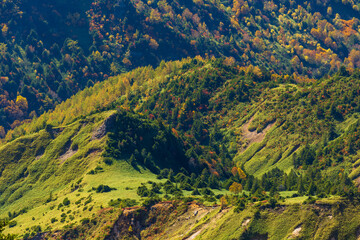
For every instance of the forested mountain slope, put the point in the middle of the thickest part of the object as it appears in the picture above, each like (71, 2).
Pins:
(190, 127)
(51, 50)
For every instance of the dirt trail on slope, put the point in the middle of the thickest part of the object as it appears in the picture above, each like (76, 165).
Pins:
(192, 237)
(68, 154)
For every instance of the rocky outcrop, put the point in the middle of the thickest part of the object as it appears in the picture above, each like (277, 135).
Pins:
(101, 131)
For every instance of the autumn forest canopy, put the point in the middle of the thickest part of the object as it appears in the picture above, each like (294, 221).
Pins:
(49, 51)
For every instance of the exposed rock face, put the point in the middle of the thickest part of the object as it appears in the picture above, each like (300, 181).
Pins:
(296, 232)
(129, 225)
(104, 128)
(162, 221)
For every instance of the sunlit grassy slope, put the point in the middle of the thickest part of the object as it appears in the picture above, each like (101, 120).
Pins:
(55, 165)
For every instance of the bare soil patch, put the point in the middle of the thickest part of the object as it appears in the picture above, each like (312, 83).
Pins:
(254, 136)
(68, 154)
(296, 232)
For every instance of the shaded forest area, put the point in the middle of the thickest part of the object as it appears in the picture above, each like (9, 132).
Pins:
(49, 51)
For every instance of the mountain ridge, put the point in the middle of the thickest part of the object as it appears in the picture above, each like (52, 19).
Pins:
(81, 157)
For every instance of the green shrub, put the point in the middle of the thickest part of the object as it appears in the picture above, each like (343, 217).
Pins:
(122, 202)
(85, 221)
(195, 192)
(151, 201)
(12, 224)
(104, 188)
(273, 202)
(88, 201)
(98, 169)
(36, 228)
(257, 214)
(143, 191)
(66, 202)
(108, 161)
(309, 200)
(207, 191)
(321, 195)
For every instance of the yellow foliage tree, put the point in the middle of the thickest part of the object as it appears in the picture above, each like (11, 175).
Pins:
(22, 103)
(223, 202)
(114, 67)
(126, 61)
(72, 45)
(241, 173)
(236, 188)
(229, 61)
(234, 171)
(4, 30)
(236, 8)
(155, 16)
(153, 44)
(96, 55)
(2, 132)
(3, 49)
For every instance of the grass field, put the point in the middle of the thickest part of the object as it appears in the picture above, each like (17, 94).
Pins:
(120, 175)
(57, 165)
